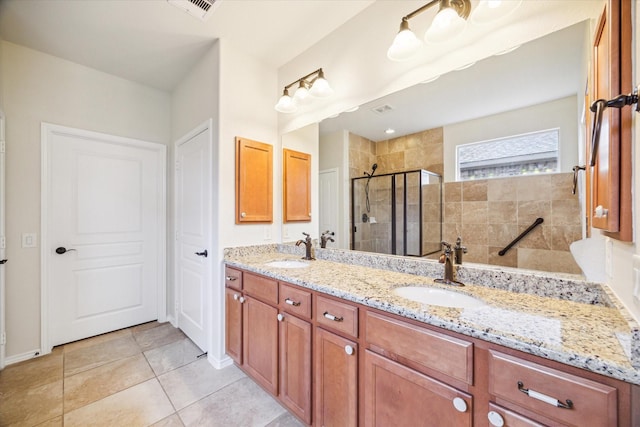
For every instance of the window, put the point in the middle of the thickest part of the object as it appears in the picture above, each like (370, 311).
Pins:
(525, 154)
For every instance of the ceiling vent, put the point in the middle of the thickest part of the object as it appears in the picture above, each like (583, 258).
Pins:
(382, 109)
(201, 9)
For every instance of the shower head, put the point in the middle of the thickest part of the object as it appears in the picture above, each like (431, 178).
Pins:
(373, 170)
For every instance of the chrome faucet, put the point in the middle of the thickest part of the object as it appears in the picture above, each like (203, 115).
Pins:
(308, 245)
(326, 236)
(445, 258)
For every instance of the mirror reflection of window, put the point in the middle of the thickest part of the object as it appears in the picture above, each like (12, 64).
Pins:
(517, 155)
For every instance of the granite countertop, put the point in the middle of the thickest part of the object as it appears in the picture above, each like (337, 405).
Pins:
(598, 337)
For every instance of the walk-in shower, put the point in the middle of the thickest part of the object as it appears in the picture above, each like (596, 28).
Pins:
(397, 213)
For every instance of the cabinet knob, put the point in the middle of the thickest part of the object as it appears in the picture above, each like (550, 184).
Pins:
(235, 297)
(601, 212)
(495, 419)
(460, 404)
(242, 299)
(243, 214)
(280, 317)
(349, 350)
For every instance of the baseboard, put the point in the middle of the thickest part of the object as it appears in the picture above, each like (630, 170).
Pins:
(172, 320)
(22, 357)
(220, 363)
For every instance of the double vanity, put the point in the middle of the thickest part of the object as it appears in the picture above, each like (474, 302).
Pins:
(365, 339)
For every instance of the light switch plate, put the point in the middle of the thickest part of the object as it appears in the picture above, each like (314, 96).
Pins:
(636, 279)
(267, 232)
(285, 232)
(29, 240)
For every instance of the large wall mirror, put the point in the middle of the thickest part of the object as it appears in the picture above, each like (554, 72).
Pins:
(478, 127)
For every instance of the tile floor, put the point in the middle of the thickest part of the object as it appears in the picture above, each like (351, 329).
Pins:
(147, 375)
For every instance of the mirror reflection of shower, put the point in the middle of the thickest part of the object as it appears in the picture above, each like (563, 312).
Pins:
(397, 213)
(365, 216)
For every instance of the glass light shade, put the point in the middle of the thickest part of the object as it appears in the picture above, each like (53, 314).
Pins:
(285, 104)
(301, 95)
(404, 45)
(446, 26)
(493, 10)
(321, 88)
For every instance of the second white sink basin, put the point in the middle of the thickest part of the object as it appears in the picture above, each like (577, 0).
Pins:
(439, 297)
(290, 263)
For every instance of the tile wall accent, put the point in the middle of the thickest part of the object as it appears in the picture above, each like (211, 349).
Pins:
(489, 214)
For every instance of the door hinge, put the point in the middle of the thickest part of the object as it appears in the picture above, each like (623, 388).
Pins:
(177, 235)
(2, 146)
(3, 242)
(177, 165)
(3, 339)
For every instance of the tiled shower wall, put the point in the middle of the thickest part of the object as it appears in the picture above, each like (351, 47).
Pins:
(487, 214)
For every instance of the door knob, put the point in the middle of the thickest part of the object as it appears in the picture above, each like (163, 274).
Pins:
(203, 253)
(61, 250)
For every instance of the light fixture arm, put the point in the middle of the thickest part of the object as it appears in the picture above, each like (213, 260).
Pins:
(419, 10)
(462, 8)
(319, 73)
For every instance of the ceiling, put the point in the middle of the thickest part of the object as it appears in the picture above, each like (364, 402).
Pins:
(156, 44)
(545, 69)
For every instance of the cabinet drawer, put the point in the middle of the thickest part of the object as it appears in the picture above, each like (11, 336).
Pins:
(437, 352)
(232, 278)
(337, 315)
(498, 416)
(296, 301)
(260, 287)
(592, 403)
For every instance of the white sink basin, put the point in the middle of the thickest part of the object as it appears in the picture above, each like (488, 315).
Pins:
(287, 264)
(437, 296)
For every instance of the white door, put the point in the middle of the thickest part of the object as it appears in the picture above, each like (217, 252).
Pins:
(329, 210)
(2, 245)
(103, 232)
(193, 233)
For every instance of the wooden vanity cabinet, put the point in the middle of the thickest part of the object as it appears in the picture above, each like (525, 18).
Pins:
(295, 350)
(233, 314)
(252, 326)
(336, 380)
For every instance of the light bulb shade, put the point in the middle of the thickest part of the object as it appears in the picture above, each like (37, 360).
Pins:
(301, 95)
(320, 87)
(493, 10)
(404, 45)
(446, 26)
(285, 104)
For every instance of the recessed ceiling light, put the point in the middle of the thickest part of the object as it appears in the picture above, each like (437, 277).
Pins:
(389, 131)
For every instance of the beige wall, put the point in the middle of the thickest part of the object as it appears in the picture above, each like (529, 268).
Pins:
(42, 88)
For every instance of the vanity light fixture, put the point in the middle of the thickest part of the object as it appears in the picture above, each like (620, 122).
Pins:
(312, 85)
(449, 23)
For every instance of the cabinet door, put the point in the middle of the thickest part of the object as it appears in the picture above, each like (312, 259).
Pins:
(254, 181)
(295, 365)
(296, 192)
(336, 380)
(260, 343)
(611, 175)
(233, 324)
(398, 396)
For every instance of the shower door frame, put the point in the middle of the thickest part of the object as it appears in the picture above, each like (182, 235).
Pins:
(394, 211)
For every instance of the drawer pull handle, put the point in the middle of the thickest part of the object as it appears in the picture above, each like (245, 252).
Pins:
(231, 278)
(544, 398)
(332, 317)
(291, 302)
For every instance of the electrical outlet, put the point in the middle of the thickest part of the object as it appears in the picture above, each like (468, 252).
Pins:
(267, 232)
(285, 232)
(29, 240)
(636, 279)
